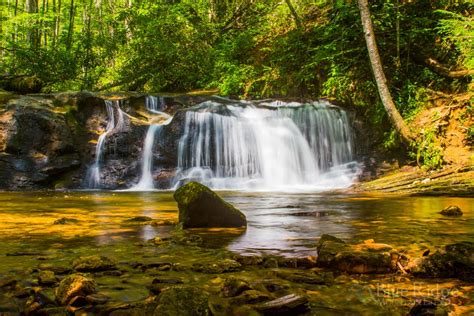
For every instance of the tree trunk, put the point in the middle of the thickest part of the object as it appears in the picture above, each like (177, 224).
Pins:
(71, 26)
(393, 114)
(294, 14)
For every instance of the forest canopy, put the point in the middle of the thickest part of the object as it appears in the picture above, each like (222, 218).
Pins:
(244, 48)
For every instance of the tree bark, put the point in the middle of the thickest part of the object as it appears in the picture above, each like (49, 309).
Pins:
(380, 79)
(71, 26)
(294, 14)
(443, 71)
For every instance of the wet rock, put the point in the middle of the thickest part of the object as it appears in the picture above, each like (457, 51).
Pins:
(159, 284)
(248, 260)
(453, 261)
(221, 266)
(22, 84)
(97, 299)
(249, 297)
(52, 311)
(46, 277)
(74, 285)
(423, 308)
(290, 304)
(307, 278)
(452, 210)
(187, 239)
(311, 214)
(328, 247)
(287, 263)
(183, 301)
(368, 257)
(139, 219)
(7, 281)
(270, 263)
(44, 297)
(160, 266)
(55, 269)
(166, 281)
(233, 287)
(273, 285)
(93, 264)
(78, 301)
(201, 207)
(306, 262)
(65, 221)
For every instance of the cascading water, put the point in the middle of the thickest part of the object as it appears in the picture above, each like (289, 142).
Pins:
(153, 104)
(284, 146)
(112, 106)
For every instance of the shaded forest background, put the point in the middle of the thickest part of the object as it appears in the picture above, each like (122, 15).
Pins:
(244, 48)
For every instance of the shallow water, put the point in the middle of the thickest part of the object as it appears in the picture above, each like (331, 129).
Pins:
(278, 223)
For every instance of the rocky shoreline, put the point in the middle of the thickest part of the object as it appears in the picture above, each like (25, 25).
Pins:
(449, 181)
(210, 282)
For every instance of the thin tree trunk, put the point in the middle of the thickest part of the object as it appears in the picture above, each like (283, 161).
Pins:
(71, 26)
(294, 14)
(57, 23)
(393, 114)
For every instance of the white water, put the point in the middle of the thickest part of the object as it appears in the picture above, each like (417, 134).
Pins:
(146, 179)
(94, 170)
(289, 147)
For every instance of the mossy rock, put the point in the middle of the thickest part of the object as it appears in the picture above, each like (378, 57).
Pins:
(93, 264)
(199, 206)
(452, 210)
(183, 301)
(454, 261)
(72, 286)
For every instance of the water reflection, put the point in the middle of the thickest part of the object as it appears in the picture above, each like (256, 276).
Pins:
(281, 223)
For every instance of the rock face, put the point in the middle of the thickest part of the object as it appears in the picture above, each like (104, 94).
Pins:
(22, 84)
(48, 141)
(368, 257)
(451, 210)
(201, 207)
(183, 300)
(453, 261)
(72, 286)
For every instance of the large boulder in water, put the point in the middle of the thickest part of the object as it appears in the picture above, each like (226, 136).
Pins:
(199, 206)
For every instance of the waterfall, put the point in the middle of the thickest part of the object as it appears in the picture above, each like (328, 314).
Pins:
(112, 125)
(276, 146)
(153, 104)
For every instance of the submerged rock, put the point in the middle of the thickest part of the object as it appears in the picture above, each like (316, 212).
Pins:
(65, 220)
(199, 206)
(233, 287)
(93, 264)
(249, 297)
(288, 305)
(183, 301)
(220, 266)
(454, 261)
(139, 219)
(368, 257)
(452, 210)
(46, 277)
(72, 286)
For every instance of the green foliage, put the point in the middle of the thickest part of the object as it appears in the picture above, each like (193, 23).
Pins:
(428, 154)
(244, 48)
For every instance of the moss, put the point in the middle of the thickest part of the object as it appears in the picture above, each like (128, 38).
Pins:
(184, 301)
(201, 207)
